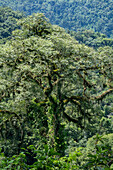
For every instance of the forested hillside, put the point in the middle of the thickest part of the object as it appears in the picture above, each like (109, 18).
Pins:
(56, 97)
(56, 85)
(8, 23)
(91, 38)
(71, 14)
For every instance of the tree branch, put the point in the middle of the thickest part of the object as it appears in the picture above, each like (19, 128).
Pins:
(100, 97)
(70, 119)
(11, 113)
(86, 83)
(33, 77)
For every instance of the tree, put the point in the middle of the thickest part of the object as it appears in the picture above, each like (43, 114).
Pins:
(8, 23)
(99, 152)
(92, 39)
(72, 14)
(48, 78)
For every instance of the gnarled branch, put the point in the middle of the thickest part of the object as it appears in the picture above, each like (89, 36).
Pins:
(104, 94)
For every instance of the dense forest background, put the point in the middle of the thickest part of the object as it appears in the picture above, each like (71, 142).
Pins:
(71, 14)
(56, 85)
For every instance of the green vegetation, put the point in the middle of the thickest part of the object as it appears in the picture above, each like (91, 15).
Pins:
(8, 20)
(92, 39)
(71, 14)
(56, 99)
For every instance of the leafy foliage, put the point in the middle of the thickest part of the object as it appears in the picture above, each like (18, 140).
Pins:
(92, 39)
(71, 14)
(102, 155)
(49, 79)
(8, 22)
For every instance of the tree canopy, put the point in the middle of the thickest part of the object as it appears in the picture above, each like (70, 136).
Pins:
(71, 14)
(8, 20)
(91, 38)
(48, 79)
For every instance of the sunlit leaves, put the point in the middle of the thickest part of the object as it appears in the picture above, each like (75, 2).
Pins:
(44, 63)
